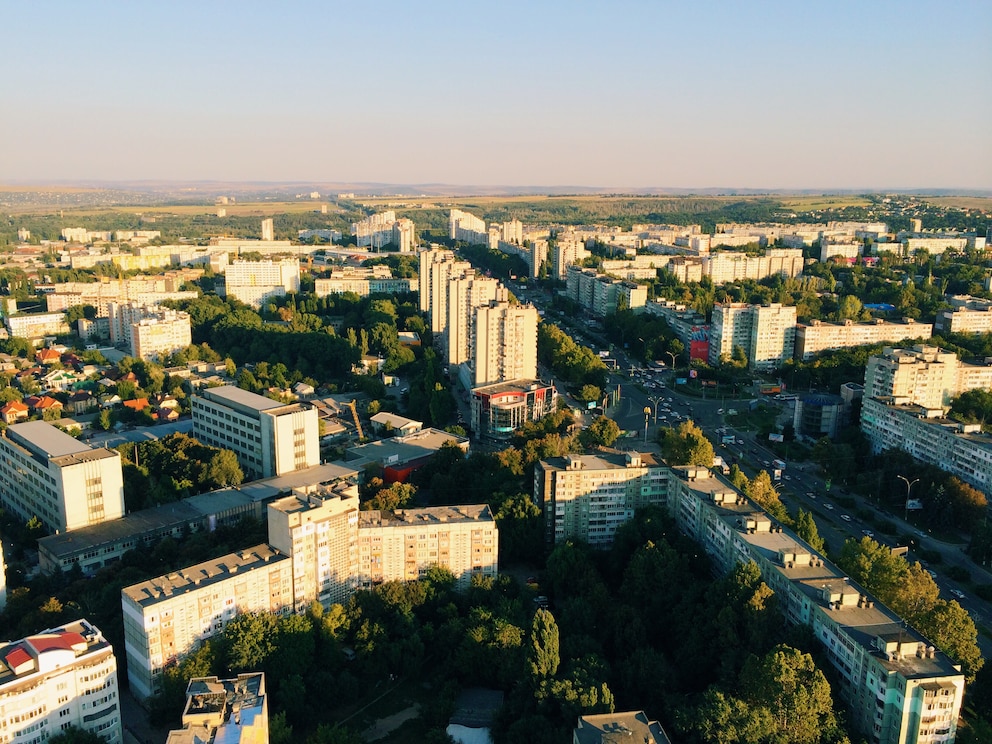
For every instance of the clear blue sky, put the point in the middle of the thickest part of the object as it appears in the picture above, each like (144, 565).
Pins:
(698, 93)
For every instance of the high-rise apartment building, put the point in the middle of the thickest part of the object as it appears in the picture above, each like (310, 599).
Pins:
(268, 231)
(254, 282)
(319, 530)
(923, 375)
(898, 688)
(765, 333)
(379, 230)
(505, 345)
(467, 228)
(403, 545)
(268, 437)
(466, 293)
(730, 327)
(59, 678)
(588, 497)
(224, 711)
(48, 474)
(513, 232)
(167, 617)
(148, 331)
(967, 314)
(437, 268)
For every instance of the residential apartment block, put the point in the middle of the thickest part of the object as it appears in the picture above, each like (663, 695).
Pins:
(48, 474)
(467, 228)
(403, 545)
(268, 437)
(766, 333)
(689, 326)
(505, 343)
(224, 711)
(148, 331)
(722, 267)
(56, 679)
(382, 229)
(167, 617)
(923, 375)
(588, 497)
(437, 268)
(318, 529)
(255, 282)
(898, 688)
(966, 315)
(362, 281)
(602, 294)
(467, 293)
(36, 325)
(960, 449)
(817, 336)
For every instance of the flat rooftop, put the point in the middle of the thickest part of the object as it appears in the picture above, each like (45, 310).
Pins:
(238, 398)
(43, 439)
(601, 461)
(430, 515)
(399, 450)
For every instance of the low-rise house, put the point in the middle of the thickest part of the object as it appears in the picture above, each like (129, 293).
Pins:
(138, 404)
(82, 402)
(48, 356)
(14, 411)
(44, 404)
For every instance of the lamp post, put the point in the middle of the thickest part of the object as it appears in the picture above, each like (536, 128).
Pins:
(909, 487)
(672, 355)
(647, 415)
(655, 400)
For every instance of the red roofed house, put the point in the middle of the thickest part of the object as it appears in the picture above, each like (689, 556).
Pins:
(47, 356)
(13, 412)
(138, 404)
(45, 403)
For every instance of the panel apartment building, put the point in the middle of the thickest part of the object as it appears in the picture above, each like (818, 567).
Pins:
(967, 315)
(960, 449)
(268, 437)
(436, 268)
(898, 688)
(924, 375)
(818, 336)
(588, 497)
(46, 473)
(63, 677)
(334, 549)
(766, 333)
(149, 332)
(467, 293)
(255, 282)
(505, 343)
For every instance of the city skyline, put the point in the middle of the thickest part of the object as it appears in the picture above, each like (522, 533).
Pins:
(636, 95)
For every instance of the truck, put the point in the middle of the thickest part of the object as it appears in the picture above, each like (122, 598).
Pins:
(778, 464)
(720, 464)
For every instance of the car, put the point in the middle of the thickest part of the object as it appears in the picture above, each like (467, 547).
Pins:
(810, 495)
(719, 411)
(787, 477)
(957, 593)
(845, 517)
(867, 533)
(829, 506)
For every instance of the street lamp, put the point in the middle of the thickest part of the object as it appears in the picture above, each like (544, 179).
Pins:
(909, 487)
(647, 415)
(672, 355)
(655, 400)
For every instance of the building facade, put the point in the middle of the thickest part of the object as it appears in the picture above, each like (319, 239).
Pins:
(467, 228)
(149, 332)
(224, 711)
(268, 437)
(588, 497)
(966, 315)
(773, 336)
(505, 343)
(36, 325)
(48, 474)
(467, 293)
(898, 688)
(818, 336)
(255, 282)
(500, 410)
(63, 677)
(924, 375)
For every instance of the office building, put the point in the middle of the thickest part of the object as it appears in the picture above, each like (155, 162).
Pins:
(820, 415)
(467, 228)
(500, 410)
(268, 231)
(59, 678)
(149, 332)
(167, 617)
(897, 687)
(588, 497)
(505, 343)
(318, 530)
(48, 474)
(818, 336)
(403, 545)
(466, 293)
(255, 282)
(224, 711)
(268, 437)
(924, 375)
(960, 449)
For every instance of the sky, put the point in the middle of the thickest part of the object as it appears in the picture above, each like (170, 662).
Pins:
(812, 94)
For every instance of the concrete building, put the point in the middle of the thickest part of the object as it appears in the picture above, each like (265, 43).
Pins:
(923, 375)
(467, 293)
(362, 281)
(400, 456)
(402, 546)
(689, 326)
(818, 336)
(967, 315)
(149, 332)
(48, 474)
(722, 267)
(567, 250)
(960, 449)
(63, 677)
(255, 282)
(773, 336)
(467, 228)
(318, 530)
(379, 230)
(608, 728)
(437, 268)
(588, 497)
(505, 343)
(268, 231)
(167, 617)
(501, 409)
(819, 415)
(224, 711)
(36, 325)
(601, 294)
(849, 251)
(898, 688)
(268, 437)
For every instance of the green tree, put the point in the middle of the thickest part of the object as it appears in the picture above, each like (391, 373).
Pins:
(762, 492)
(603, 431)
(249, 640)
(222, 470)
(75, 735)
(724, 719)
(806, 529)
(686, 445)
(542, 647)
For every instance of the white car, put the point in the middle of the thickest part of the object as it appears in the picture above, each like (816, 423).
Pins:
(845, 517)
(829, 506)
(957, 593)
